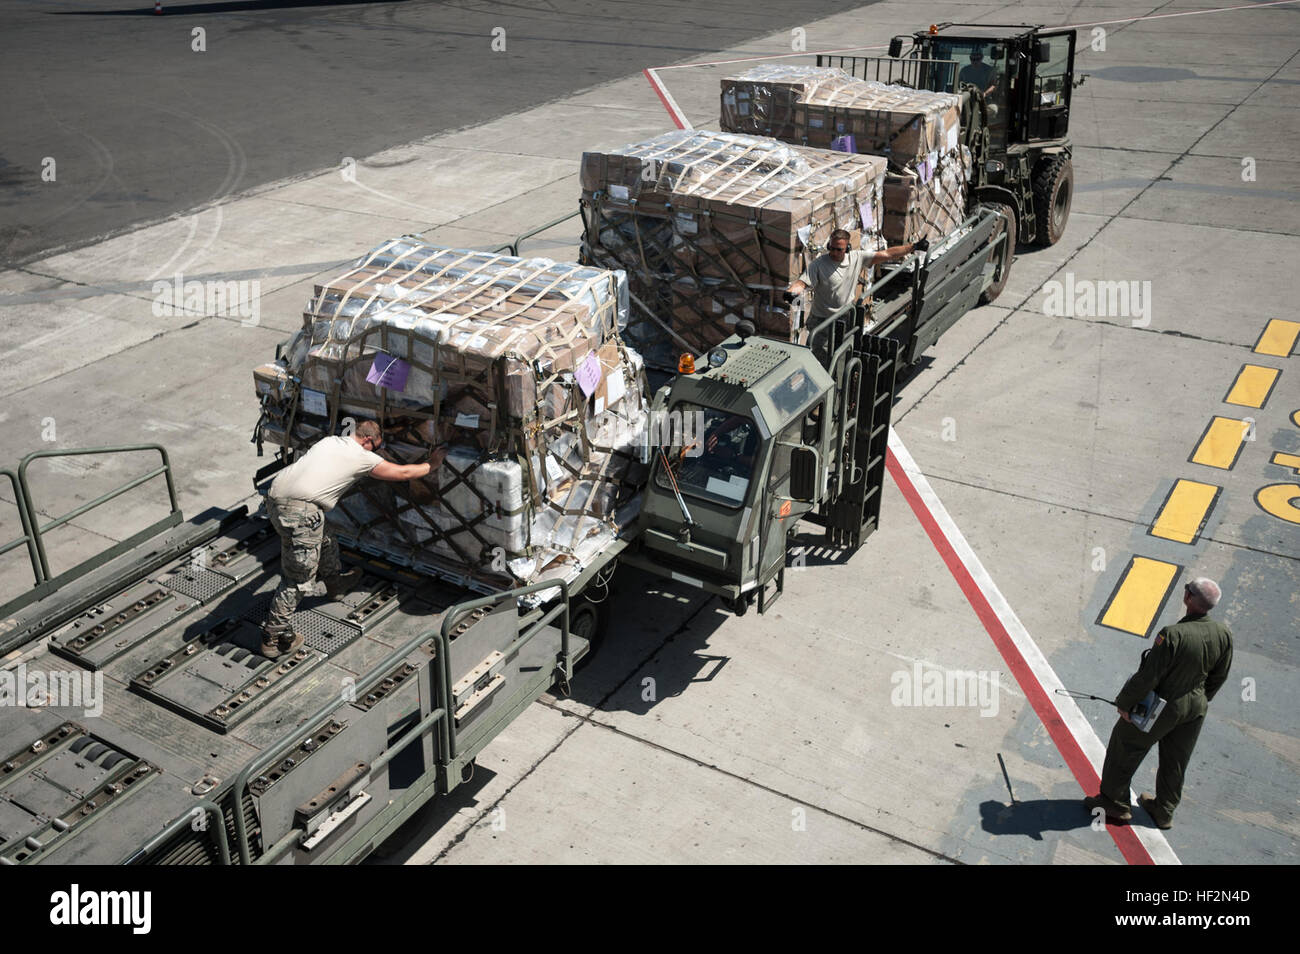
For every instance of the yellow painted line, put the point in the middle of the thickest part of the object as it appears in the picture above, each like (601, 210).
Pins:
(1253, 385)
(1286, 460)
(1278, 338)
(1141, 593)
(1221, 443)
(1185, 511)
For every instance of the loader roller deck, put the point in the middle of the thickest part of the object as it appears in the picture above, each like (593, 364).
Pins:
(188, 704)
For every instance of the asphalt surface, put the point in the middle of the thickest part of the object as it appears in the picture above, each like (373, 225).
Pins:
(142, 126)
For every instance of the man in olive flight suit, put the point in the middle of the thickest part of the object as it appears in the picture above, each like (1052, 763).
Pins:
(1186, 665)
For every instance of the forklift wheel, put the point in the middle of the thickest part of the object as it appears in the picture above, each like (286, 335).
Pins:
(589, 620)
(1004, 255)
(1053, 190)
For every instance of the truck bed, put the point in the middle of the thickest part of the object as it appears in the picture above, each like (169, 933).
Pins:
(160, 700)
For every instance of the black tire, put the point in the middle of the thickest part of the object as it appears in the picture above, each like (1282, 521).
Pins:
(1005, 253)
(1053, 193)
(590, 621)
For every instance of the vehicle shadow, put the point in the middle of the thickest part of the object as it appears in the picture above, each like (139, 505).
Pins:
(655, 648)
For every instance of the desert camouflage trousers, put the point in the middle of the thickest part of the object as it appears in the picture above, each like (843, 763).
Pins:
(308, 553)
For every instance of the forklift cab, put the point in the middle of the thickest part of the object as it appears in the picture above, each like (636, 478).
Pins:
(1026, 75)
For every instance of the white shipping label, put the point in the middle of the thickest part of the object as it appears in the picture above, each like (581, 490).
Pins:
(478, 341)
(805, 234)
(952, 137)
(868, 220)
(313, 402)
(553, 470)
(600, 405)
(467, 420)
(618, 191)
(614, 386)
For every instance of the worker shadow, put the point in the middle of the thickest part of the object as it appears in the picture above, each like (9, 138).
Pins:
(657, 648)
(1034, 817)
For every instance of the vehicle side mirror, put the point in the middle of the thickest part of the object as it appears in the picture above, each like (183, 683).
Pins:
(803, 474)
(997, 54)
(896, 47)
(1042, 52)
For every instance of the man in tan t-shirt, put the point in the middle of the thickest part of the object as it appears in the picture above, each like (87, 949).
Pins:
(297, 502)
(833, 277)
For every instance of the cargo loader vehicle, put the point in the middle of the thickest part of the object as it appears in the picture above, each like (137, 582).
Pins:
(149, 730)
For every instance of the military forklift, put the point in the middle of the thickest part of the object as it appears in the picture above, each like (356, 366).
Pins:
(1017, 81)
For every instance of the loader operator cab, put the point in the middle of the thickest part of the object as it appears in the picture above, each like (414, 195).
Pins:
(726, 442)
(1025, 76)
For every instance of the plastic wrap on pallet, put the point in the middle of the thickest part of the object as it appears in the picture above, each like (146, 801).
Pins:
(516, 364)
(713, 225)
(929, 202)
(823, 107)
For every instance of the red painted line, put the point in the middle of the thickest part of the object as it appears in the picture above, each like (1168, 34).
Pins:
(1126, 840)
(663, 97)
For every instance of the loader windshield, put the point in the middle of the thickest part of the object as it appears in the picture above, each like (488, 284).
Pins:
(714, 458)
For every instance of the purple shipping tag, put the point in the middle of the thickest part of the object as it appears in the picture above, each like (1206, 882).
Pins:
(844, 144)
(388, 372)
(588, 374)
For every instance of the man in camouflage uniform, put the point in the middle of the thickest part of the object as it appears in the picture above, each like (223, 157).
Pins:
(1186, 665)
(297, 502)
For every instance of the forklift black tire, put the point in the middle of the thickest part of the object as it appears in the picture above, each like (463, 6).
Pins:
(1005, 254)
(1053, 193)
(589, 620)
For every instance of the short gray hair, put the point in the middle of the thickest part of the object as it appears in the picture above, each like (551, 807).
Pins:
(1205, 592)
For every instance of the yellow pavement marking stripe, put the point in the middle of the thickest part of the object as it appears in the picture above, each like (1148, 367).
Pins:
(1141, 593)
(1185, 511)
(1278, 338)
(1221, 443)
(1286, 460)
(1253, 385)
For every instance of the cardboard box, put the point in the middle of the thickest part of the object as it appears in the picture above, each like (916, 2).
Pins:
(816, 106)
(739, 213)
(483, 352)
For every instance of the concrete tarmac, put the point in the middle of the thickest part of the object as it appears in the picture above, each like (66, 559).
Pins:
(1054, 441)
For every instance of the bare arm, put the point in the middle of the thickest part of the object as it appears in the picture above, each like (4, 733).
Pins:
(892, 254)
(397, 472)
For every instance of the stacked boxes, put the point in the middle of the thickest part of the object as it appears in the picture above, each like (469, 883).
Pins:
(517, 364)
(712, 228)
(917, 131)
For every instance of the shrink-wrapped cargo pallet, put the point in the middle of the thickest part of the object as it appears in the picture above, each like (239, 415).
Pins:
(516, 364)
(926, 203)
(817, 105)
(916, 130)
(712, 228)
